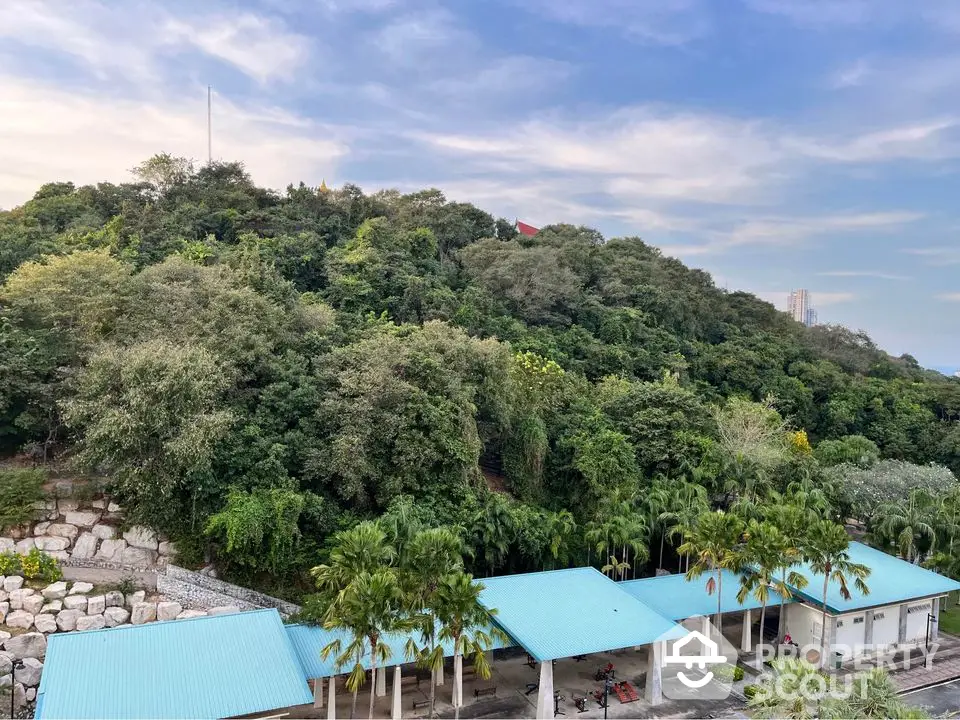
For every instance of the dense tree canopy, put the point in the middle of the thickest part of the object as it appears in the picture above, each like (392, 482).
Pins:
(254, 371)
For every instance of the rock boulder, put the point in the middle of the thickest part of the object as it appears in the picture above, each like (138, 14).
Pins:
(32, 644)
(67, 619)
(104, 532)
(12, 582)
(168, 610)
(141, 537)
(112, 550)
(82, 519)
(45, 623)
(91, 622)
(29, 672)
(96, 604)
(49, 543)
(138, 557)
(116, 616)
(75, 602)
(33, 603)
(63, 530)
(80, 587)
(55, 591)
(20, 619)
(17, 597)
(143, 612)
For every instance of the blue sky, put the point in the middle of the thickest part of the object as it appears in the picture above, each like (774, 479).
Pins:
(775, 143)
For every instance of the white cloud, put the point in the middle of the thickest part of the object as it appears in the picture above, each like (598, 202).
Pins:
(661, 22)
(851, 76)
(863, 274)
(947, 255)
(923, 140)
(950, 297)
(132, 40)
(53, 134)
(259, 47)
(820, 13)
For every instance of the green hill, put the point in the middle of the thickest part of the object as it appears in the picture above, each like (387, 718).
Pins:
(254, 370)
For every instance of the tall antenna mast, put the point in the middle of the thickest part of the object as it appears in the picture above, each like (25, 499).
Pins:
(209, 126)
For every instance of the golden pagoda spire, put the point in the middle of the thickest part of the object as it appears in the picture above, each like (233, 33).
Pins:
(323, 186)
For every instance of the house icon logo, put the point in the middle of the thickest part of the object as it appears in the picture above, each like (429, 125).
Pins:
(710, 655)
(699, 665)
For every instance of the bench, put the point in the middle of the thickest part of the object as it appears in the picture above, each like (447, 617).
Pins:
(489, 690)
(417, 704)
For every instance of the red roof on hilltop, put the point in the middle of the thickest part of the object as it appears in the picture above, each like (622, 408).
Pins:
(525, 229)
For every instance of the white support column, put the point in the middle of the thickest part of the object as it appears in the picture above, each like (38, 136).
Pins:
(654, 690)
(902, 631)
(438, 676)
(318, 693)
(706, 626)
(458, 681)
(935, 624)
(545, 692)
(332, 699)
(395, 712)
(381, 682)
(745, 640)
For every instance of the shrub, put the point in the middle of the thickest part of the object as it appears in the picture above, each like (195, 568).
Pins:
(737, 674)
(19, 491)
(749, 691)
(35, 565)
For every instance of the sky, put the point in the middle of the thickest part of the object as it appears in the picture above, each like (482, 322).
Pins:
(777, 144)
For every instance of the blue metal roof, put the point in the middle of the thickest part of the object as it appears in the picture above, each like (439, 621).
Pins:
(891, 580)
(209, 667)
(674, 597)
(309, 640)
(562, 613)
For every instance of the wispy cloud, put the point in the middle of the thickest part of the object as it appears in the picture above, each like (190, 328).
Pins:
(918, 141)
(950, 297)
(82, 143)
(863, 274)
(660, 22)
(947, 255)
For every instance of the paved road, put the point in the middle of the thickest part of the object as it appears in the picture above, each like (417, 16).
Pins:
(939, 701)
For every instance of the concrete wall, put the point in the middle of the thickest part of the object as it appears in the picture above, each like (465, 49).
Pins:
(917, 614)
(850, 634)
(800, 623)
(886, 628)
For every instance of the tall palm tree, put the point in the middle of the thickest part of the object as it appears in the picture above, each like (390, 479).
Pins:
(362, 548)
(494, 528)
(656, 504)
(467, 624)
(767, 555)
(714, 545)
(909, 525)
(689, 503)
(369, 607)
(826, 552)
(561, 528)
(431, 555)
(793, 522)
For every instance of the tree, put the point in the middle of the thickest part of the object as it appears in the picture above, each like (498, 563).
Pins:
(853, 449)
(467, 624)
(687, 506)
(714, 545)
(151, 415)
(431, 555)
(910, 525)
(561, 529)
(369, 607)
(793, 523)
(766, 558)
(826, 552)
(889, 481)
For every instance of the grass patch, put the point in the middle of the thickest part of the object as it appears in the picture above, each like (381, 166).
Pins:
(950, 615)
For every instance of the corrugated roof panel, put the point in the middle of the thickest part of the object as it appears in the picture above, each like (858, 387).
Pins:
(674, 597)
(210, 667)
(891, 580)
(562, 613)
(308, 642)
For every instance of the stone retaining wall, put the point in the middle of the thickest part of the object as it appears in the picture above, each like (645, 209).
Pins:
(195, 590)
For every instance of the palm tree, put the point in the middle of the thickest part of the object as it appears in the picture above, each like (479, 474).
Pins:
(826, 552)
(494, 527)
(560, 527)
(909, 525)
(431, 554)
(467, 624)
(689, 503)
(657, 503)
(786, 693)
(714, 545)
(875, 696)
(768, 558)
(369, 607)
(793, 522)
(362, 548)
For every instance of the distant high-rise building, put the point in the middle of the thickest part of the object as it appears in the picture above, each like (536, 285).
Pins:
(798, 305)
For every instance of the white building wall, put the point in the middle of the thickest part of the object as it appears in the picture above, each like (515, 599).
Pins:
(802, 621)
(850, 636)
(917, 614)
(886, 626)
